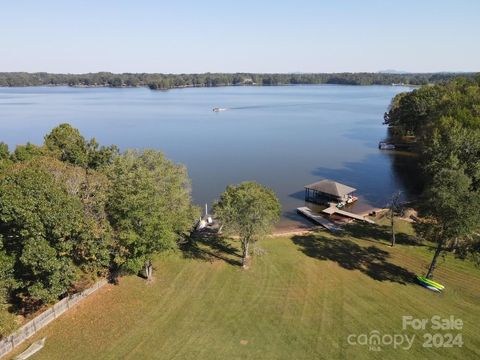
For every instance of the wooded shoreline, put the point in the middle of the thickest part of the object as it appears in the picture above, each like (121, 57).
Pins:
(158, 81)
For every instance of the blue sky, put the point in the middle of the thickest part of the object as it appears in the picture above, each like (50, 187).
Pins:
(243, 35)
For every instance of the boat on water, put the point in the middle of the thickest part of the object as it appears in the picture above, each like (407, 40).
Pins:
(348, 200)
(351, 199)
(382, 145)
(218, 109)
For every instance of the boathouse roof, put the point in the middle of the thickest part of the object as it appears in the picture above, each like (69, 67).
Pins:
(331, 187)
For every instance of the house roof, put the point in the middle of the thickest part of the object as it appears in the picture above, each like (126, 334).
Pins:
(331, 187)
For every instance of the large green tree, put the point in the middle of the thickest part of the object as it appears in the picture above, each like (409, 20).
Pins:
(445, 121)
(248, 210)
(53, 227)
(68, 144)
(38, 219)
(92, 245)
(452, 212)
(149, 207)
(451, 163)
(418, 112)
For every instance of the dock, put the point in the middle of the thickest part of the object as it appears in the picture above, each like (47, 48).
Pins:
(334, 210)
(318, 219)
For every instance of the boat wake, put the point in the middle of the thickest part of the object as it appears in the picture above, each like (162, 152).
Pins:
(270, 106)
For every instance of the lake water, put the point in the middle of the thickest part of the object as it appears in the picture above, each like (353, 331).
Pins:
(284, 137)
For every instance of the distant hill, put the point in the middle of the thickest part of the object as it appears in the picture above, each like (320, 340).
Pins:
(392, 71)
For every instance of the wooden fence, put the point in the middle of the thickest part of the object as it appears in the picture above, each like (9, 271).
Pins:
(11, 342)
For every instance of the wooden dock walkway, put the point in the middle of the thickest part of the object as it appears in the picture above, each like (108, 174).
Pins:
(334, 210)
(327, 224)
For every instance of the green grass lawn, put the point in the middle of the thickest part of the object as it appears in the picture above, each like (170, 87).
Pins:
(301, 299)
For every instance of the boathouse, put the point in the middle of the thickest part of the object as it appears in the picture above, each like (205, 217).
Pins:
(326, 191)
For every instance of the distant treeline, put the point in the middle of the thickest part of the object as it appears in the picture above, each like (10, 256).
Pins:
(168, 81)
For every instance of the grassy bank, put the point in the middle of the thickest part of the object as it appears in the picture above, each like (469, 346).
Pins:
(301, 299)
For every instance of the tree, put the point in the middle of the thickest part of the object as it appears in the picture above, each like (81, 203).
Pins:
(27, 152)
(445, 121)
(38, 220)
(47, 274)
(7, 284)
(91, 248)
(4, 153)
(452, 210)
(149, 207)
(5, 158)
(68, 144)
(54, 227)
(248, 210)
(394, 207)
(100, 157)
